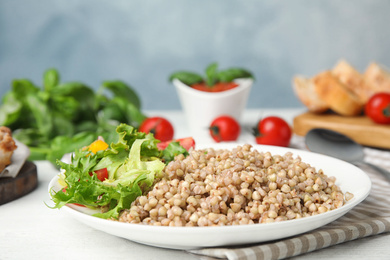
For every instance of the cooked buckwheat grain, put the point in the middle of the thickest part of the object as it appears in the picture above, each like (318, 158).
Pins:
(235, 187)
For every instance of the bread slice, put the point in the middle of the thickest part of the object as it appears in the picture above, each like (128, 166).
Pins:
(334, 93)
(353, 80)
(305, 90)
(7, 147)
(378, 78)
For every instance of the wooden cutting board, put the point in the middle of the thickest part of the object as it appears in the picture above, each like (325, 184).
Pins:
(360, 128)
(25, 182)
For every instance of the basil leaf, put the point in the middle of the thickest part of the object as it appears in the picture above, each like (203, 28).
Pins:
(66, 106)
(85, 126)
(231, 74)
(121, 110)
(134, 116)
(212, 74)
(51, 78)
(62, 125)
(120, 89)
(42, 115)
(112, 111)
(29, 136)
(10, 110)
(81, 97)
(38, 153)
(187, 78)
(23, 87)
(79, 91)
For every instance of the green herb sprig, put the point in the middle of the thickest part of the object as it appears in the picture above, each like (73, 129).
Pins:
(212, 75)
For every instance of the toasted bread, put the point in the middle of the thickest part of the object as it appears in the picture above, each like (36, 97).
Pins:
(353, 80)
(378, 78)
(7, 147)
(305, 91)
(337, 95)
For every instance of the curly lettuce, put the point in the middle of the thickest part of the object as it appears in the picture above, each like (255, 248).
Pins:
(133, 164)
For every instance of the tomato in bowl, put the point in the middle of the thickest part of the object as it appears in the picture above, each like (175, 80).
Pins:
(221, 92)
(218, 87)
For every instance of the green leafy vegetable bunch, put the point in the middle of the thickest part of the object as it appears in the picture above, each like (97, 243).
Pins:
(60, 116)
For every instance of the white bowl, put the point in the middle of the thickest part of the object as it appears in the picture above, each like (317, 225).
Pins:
(201, 107)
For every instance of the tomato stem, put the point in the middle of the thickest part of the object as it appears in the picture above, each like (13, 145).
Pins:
(215, 132)
(386, 111)
(153, 130)
(256, 132)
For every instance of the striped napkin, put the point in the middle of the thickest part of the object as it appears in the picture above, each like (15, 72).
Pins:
(371, 217)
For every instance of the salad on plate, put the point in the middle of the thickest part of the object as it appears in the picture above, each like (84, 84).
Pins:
(111, 177)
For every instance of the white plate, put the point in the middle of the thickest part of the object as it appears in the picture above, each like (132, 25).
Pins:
(349, 178)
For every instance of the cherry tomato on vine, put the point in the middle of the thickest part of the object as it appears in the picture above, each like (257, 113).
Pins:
(224, 128)
(273, 130)
(378, 108)
(161, 128)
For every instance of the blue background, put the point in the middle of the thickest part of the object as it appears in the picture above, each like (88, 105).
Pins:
(142, 42)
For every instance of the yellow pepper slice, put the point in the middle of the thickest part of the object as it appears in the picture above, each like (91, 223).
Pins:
(98, 145)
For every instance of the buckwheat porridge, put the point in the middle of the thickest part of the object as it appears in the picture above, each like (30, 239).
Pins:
(234, 187)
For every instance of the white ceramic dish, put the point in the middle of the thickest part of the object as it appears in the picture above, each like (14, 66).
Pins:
(201, 108)
(349, 178)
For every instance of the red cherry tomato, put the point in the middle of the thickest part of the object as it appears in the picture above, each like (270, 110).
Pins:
(273, 131)
(187, 143)
(224, 128)
(161, 128)
(378, 108)
(101, 174)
